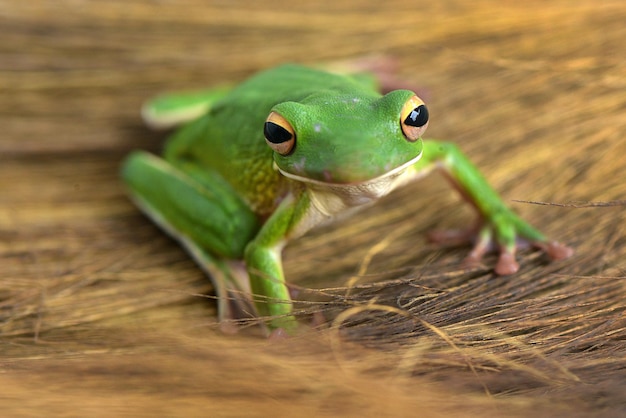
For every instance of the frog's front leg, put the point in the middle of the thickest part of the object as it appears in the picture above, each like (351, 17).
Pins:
(264, 261)
(497, 223)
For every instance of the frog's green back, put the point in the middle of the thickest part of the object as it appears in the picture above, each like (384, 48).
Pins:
(229, 138)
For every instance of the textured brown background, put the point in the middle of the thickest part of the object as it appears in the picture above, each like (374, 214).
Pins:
(102, 315)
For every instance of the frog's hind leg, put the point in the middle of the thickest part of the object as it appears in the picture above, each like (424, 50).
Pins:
(197, 209)
(173, 109)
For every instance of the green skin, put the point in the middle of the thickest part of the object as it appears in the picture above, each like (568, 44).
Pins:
(234, 203)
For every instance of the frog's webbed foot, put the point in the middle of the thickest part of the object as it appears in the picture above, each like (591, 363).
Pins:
(504, 238)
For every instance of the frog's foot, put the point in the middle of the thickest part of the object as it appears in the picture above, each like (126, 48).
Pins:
(281, 333)
(236, 307)
(506, 241)
(376, 64)
(384, 69)
(233, 309)
(232, 288)
(234, 301)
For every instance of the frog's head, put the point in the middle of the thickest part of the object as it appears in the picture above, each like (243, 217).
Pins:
(342, 139)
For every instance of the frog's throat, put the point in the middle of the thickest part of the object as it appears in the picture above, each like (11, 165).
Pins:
(393, 173)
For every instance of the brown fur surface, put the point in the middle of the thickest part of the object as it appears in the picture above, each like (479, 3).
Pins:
(102, 315)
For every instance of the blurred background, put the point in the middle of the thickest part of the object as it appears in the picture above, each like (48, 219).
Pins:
(101, 314)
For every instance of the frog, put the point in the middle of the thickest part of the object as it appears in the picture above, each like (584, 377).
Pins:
(251, 167)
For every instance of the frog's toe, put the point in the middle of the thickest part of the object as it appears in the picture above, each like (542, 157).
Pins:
(278, 334)
(318, 320)
(555, 250)
(452, 236)
(481, 247)
(507, 264)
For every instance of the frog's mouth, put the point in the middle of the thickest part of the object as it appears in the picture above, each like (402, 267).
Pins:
(329, 181)
(331, 198)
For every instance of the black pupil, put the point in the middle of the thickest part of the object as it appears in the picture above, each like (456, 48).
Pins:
(418, 117)
(276, 134)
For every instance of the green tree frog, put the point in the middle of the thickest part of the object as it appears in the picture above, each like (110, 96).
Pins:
(260, 164)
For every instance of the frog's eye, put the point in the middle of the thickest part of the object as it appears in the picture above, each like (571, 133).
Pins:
(414, 118)
(279, 134)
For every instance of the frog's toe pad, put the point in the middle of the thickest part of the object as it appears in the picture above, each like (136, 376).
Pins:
(506, 264)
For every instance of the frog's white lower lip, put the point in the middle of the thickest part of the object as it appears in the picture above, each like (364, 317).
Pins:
(390, 173)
